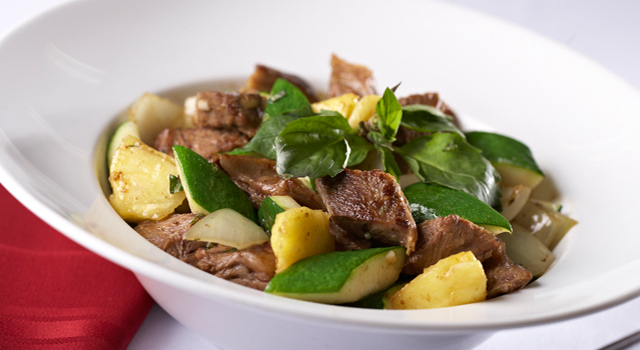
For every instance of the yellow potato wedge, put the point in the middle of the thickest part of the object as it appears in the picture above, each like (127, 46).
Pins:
(342, 104)
(139, 177)
(298, 233)
(364, 110)
(455, 280)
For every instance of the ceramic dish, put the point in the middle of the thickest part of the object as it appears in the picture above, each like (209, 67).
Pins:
(67, 76)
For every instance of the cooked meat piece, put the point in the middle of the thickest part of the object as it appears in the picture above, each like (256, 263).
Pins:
(350, 78)
(264, 77)
(252, 267)
(229, 110)
(259, 179)
(204, 141)
(347, 241)
(167, 234)
(503, 275)
(432, 99)
(371, 203)
(445, 236)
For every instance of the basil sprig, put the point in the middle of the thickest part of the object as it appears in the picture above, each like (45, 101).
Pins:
(448, 159)
(315, 145)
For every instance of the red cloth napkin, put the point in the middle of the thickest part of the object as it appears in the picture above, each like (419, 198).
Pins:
(55, 294)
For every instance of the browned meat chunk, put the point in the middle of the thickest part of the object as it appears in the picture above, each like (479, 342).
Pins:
(445, 236)
(347, 241)
(259, 179)
(503, 275)
(252, 267)
(430, 99)
(350, 78)
(206, 142)
(371, 203)
(229, 110)
(405, 135)
(264, 77)
(167, 234)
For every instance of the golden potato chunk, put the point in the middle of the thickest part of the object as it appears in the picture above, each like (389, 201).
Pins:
(455, 280)
(364, 110)
(342, 104)
(139, 177)
(298, 233)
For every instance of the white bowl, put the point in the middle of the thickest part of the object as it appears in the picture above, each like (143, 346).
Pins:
(66, 77)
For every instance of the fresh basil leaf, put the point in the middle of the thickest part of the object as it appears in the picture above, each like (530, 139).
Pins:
(313, 146)
(360, 147)
(389, 164)
(425, 118)
(264, 140)
(175, 185)
(287, 99)
(328, 113)
(447, 159)
(389, 113)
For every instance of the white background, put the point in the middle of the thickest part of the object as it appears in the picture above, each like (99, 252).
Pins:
(606, 31)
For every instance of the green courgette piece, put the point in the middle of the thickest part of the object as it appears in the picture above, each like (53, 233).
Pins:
(340, 277)
(511, 158)
(207, 187)
(125, 129)
(272, 206)
(430, 201)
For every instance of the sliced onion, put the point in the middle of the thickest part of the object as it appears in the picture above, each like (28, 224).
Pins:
(513, 199)
(227, 227)
(527, 250)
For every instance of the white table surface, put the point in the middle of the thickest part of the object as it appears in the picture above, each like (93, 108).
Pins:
(606, 31)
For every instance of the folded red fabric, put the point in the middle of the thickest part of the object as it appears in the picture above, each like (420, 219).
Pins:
(55, 294)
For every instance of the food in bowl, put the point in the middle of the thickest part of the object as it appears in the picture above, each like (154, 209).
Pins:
(357, 199)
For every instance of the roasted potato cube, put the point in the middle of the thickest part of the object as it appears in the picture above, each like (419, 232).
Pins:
(342, 104)
(299, 233)
(364, 110)
(139, 177)
(455, 280)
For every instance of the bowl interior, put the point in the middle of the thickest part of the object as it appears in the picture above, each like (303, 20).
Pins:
(67, 76)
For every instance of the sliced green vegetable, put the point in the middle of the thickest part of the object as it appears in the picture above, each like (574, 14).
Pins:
(378, 300)
(340, 277)
(510, 157)
(125, 129)
(430, 201)
(208, 188)
(228, 227)
(287, 99)
(447, 159)
(271, 206)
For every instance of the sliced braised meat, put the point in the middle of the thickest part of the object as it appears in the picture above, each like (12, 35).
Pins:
(264, 77)
(252, 267)
(432, 99)
(350, 78)
(259, 179)
(445, 236)
(204, 141)
(503, 275)
(369, 203)
(229, 110)
(347, 241)
(167, 234)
